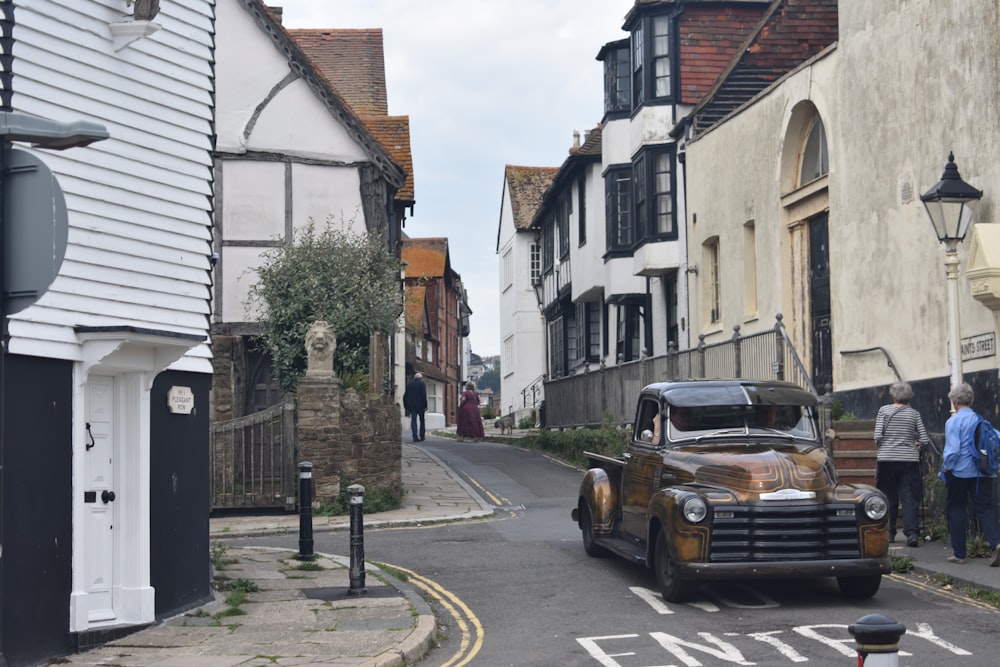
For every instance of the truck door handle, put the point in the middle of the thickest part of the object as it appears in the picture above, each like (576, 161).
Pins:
(107, 496)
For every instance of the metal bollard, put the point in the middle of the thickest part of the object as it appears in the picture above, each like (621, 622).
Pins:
(877, 637)
(305, 512)
(357, 493)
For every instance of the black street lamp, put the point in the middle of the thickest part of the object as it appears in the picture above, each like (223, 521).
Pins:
(949, 206)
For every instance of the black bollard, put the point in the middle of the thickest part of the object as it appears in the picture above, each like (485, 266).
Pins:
(877, 636)
(357, 493)
(305, 512)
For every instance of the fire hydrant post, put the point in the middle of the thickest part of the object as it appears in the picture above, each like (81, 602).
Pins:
(305, 512)
(877, 640)
(357, 494)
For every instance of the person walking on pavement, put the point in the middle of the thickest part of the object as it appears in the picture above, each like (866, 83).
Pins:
(960, 472)
(415, 403)
(469, 421)
(899, 433)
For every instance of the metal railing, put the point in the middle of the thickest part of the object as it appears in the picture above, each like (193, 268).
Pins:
(253, 460)
(532, 395)
(592, 397)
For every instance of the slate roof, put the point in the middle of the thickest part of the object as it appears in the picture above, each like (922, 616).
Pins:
(353, 62)
(341, 110)
(527, 186)
(790, 33)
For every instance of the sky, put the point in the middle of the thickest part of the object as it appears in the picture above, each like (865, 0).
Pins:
(485, 83)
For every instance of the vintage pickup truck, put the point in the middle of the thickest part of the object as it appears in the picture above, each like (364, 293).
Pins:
(729, 480)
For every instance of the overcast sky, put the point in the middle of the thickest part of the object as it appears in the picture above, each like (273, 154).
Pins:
(485, 83)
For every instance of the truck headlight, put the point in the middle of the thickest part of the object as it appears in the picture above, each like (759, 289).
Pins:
(694, 509)
(876, 507)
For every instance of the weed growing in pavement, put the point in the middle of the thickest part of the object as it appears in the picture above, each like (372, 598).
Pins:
(217, 553)
(391, 571)
(309, 566)
(225, 585)
(902, 564)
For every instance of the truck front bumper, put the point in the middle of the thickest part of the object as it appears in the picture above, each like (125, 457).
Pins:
(858, 567)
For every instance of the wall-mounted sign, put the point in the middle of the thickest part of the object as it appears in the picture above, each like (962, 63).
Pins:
(180, 400)
(975, 347)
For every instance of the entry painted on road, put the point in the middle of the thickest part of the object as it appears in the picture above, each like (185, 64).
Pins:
(725, 649)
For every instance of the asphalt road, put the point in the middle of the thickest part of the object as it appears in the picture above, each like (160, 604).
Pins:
(517, 590)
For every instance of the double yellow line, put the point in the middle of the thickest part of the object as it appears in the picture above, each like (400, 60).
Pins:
(468, 624)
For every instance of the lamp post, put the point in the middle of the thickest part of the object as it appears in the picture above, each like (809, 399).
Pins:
(949, 206)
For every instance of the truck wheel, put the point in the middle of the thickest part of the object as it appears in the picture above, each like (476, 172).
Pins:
(587, 526)
(672, 587)
(859, 588)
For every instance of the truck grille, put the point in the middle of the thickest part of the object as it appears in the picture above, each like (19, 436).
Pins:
(784, 533)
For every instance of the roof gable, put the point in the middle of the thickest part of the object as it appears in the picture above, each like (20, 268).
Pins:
(790, 33)
(426, 258)
(527, 186)
(353, 62)
(300, 64)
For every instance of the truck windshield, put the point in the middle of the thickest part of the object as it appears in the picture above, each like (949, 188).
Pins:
(793, 421)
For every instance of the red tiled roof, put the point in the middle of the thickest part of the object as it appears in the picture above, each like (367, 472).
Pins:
(425, 258)
(353, 62)
(393, 132)
(527, 186)
(790, 33)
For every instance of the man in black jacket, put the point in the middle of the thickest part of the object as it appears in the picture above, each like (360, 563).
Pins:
(415, 403)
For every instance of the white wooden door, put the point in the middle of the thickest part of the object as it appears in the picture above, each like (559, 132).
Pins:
(99, 499)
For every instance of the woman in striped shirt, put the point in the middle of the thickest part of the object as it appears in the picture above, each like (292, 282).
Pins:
(899, 433)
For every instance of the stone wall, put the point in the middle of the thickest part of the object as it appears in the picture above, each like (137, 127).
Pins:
(349, 437)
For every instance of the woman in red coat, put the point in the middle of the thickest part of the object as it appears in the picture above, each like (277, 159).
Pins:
(470, 424)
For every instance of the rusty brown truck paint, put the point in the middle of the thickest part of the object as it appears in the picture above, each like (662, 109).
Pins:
(738, 486)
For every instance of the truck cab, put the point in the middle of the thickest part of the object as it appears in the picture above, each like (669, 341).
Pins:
(729, 479)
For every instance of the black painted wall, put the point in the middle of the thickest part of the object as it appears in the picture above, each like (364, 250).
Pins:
(179, 496)
(37, 509)
(930, 399)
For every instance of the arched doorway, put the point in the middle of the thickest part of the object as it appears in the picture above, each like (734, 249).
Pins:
(806, 204)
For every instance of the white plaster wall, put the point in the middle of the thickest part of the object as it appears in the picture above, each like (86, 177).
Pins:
(588, 259)
(651, 125)
(298, 123)
(616, 144)
(238, 275)
(253, 205)
(891, 116)
(323, 193)
(247, 68)
(519, 314)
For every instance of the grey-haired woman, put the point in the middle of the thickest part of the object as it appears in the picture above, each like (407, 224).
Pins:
(899, 433)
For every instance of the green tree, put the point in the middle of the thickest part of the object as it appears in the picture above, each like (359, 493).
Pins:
(345, 278)
(490, 379)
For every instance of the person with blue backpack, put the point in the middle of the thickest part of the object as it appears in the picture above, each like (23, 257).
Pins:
(963, 477)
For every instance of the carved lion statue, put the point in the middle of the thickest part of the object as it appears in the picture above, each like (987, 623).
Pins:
(321, 343)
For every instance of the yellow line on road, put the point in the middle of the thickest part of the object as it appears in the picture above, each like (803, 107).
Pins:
(955, 594)
(472, 638)
(499, 501)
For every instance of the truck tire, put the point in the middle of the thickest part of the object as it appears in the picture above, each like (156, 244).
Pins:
(672, 587)
(587, 527)
(859, 588)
